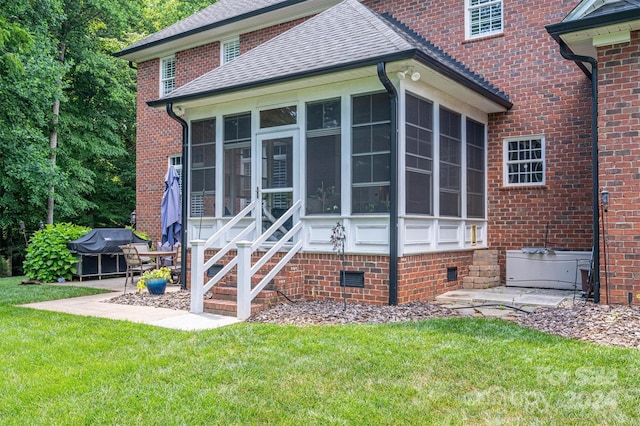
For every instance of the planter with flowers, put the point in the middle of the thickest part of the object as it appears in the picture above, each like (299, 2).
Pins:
(155, 280)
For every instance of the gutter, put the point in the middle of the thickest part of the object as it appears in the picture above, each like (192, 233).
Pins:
(185, 186)
(393, 186)
(592, 22)
(566, 53)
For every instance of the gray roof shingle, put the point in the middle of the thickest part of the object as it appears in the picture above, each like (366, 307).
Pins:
(346, 36)
(615, 7)
(217, 14)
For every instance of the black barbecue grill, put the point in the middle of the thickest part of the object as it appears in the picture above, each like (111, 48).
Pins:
(99, 252)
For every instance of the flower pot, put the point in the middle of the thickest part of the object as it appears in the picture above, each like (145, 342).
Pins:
(156, 285)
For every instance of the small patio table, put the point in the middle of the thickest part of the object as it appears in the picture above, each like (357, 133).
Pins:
(160, 254)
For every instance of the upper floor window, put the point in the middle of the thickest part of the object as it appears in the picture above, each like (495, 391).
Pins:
(167, 75)
(524, 161)
(230, 50)
(483, 17)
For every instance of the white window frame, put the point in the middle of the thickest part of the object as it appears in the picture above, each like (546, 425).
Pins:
(507, 162)
(226, 52)
(164, 78)
(176, 162)
(470, 7)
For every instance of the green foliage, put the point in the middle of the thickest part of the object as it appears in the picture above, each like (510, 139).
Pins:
(12, 293)
(47, 255)
(442, 372)
(140, 234)
(4, 267)
(159, 14)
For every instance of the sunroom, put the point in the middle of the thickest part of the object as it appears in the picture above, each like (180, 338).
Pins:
(386, 134)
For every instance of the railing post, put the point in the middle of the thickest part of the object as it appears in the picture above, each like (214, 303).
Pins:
(197, 276)
(244, 280)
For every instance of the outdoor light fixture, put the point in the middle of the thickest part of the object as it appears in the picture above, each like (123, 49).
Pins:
(604, 196)
(133, 217)
(415, 75)
(41, 225)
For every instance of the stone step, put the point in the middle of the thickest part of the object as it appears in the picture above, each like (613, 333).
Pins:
(484, 270)
(480, 282)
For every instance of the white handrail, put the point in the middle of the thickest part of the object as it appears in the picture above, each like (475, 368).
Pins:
(244, 212)
(276, 247)
(246, 271)
(231, 244)
(243, 257)
(277, 224)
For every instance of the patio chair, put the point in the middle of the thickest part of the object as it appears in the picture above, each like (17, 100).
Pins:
(134, 263)
(142, 249)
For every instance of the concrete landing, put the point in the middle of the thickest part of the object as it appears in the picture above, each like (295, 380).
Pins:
(512, 296)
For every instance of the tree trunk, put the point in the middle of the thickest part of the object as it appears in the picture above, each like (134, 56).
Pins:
(53, 136)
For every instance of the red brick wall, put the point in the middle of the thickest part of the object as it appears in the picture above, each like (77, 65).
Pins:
(316, 276)
(619, 167)
(423, 277)
(551, 96)
(157, 137)
(195, 62)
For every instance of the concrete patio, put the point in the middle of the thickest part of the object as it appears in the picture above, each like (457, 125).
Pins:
(161, 317)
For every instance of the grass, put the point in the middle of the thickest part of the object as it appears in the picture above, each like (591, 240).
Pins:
(64, 369)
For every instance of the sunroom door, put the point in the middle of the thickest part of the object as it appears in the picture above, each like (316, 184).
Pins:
(277, 178)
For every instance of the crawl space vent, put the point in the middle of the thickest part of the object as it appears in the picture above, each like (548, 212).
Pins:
(352, 279)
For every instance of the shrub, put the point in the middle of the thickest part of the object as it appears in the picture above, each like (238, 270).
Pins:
(140, 234)
(48, 257)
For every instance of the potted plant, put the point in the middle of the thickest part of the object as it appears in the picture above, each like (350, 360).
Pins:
(155, 280)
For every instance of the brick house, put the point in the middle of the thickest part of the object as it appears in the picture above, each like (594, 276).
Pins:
(429, 130)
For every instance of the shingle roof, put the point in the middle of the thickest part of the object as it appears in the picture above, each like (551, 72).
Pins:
(436, 57)
(219, 13)
(619, 6)
(346, 36)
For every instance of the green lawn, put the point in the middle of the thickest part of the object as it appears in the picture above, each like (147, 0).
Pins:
(64, 369)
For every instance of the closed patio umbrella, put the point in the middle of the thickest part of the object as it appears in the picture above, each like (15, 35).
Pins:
(170, 212)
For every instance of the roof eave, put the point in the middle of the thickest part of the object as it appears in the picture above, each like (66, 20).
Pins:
(234, 19)
(593, 22)
(458, 78)
(285, 78)
(408, 54)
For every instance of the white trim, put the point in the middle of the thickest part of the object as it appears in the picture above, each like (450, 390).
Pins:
(611, 38)
(162, 78)
(506, 162)
(467, 19)
(233, 42)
